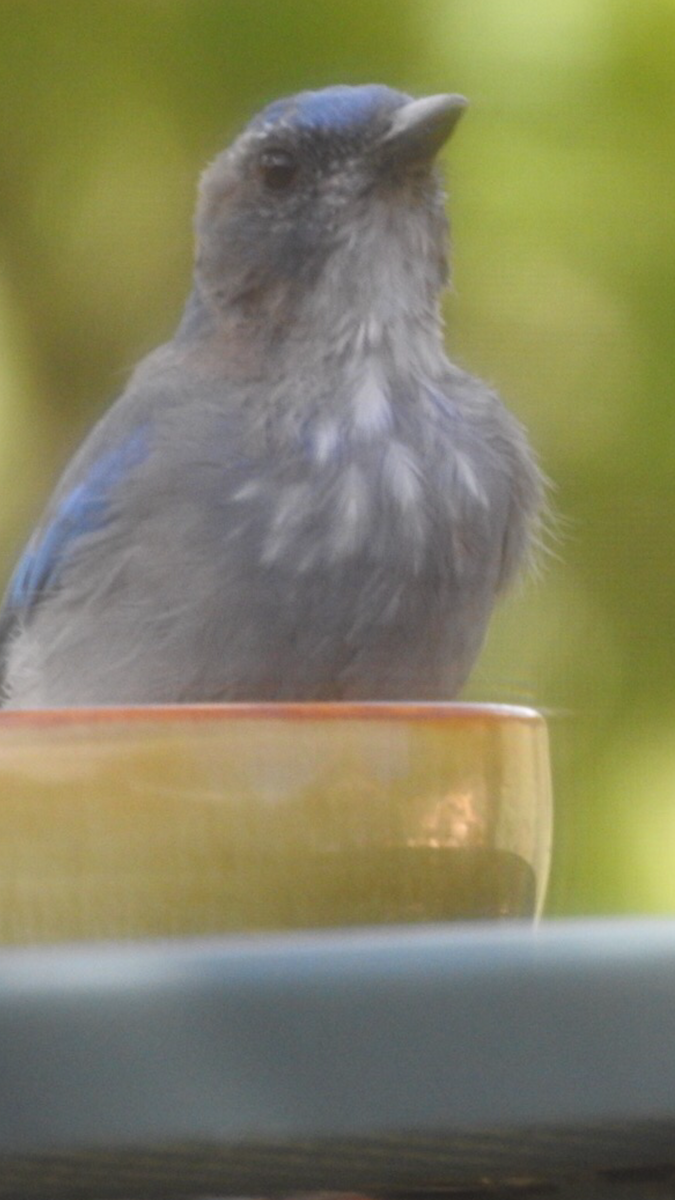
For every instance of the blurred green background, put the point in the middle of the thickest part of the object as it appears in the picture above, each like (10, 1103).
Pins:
(563, 200)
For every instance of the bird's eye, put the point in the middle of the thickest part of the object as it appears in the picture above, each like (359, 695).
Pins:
(278, 169)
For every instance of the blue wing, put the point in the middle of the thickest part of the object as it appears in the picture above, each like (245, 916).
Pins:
(82, 510)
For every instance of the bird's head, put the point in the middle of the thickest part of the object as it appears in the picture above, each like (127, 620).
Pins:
(326, 214)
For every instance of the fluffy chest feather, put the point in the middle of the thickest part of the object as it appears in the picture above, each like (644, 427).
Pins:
(386, 476)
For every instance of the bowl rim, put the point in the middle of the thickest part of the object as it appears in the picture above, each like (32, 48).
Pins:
(361, 710)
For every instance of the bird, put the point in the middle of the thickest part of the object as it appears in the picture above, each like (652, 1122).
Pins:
(299, 497)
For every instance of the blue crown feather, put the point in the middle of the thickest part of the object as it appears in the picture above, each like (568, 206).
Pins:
(337, 109)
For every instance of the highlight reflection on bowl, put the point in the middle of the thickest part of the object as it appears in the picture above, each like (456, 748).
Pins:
(142, 822)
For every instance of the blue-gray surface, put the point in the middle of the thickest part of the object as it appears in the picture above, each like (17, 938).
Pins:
(361, 1059)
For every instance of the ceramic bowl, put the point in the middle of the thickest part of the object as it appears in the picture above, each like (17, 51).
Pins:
(145, 822)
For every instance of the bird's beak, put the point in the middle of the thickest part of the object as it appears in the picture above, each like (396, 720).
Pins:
(421, 127)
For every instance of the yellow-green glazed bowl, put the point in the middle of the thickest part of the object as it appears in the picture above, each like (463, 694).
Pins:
(127, 823)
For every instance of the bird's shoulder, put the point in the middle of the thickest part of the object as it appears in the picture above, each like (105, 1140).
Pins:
(120, 446)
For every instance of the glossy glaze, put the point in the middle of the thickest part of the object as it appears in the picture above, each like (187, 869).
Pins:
(204, 819)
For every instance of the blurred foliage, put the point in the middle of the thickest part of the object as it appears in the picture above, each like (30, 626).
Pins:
(563, 178)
